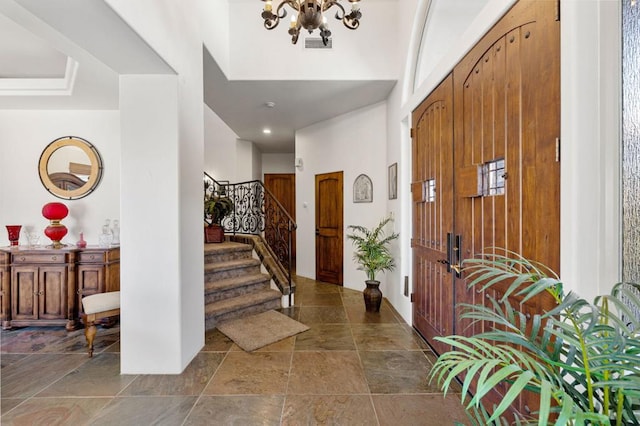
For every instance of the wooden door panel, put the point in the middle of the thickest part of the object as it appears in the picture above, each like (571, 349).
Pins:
(52, 301)
(432, 213)
(329, 227)
(24, 289)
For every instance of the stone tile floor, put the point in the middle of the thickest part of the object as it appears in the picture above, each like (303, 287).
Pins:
(350, 368)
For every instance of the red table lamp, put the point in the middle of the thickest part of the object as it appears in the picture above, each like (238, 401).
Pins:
(56, 231)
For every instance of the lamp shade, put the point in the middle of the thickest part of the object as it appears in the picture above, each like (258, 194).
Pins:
(55, 211)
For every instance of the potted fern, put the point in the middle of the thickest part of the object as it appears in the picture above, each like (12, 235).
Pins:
(373, 255)
(216, 208)
(581, 358)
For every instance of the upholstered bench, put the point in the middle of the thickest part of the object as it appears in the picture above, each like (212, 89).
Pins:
(98, 306)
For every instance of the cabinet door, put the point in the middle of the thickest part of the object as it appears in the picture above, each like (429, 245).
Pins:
(24, 292)
(112, 278)
(5, 291)
(52, 301)
(91, 280)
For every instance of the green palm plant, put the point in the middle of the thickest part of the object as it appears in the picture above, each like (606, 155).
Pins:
(372, 248)
(581, 358)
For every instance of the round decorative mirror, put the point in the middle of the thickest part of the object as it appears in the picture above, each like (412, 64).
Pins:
(70, 168)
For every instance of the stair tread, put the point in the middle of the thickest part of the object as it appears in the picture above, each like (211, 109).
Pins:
(240, 281)
(254, 298)
(230, 264)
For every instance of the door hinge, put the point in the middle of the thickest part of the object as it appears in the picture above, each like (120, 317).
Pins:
(412, 298)
(411, 133)
(557, 150)
(557, 10)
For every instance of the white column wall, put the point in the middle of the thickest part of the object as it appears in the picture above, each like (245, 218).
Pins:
(163, 115)
(150, 275)
(354, 143)
(590, 223)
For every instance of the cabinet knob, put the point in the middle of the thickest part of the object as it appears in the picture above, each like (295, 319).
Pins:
(79, 291)
(92, 257)
(54, 257)
(22, 258)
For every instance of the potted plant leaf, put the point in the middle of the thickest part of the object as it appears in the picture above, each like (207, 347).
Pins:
(373, 255)
(216, 208)
(580, 359)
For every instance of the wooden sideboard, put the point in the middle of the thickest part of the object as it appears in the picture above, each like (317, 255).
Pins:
(45, 286)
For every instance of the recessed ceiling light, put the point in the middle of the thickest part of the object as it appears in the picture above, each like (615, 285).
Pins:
(269, 104)
(266, 131)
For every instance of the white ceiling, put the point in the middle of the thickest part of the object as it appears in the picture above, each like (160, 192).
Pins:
(35, 44)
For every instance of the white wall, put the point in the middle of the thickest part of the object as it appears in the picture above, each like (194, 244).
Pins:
(278, 163)
(22, 194)
(446, 21)
(219, 147)
(354, 143)
(261, 54)
(215, 24)
(399, 151)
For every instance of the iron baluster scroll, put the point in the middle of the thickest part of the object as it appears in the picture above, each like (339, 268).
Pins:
(257, 212)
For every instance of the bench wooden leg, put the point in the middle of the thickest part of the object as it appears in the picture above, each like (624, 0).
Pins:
(90, 331)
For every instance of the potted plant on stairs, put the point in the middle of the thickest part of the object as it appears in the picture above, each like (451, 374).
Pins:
(216, 208)
(373, 255)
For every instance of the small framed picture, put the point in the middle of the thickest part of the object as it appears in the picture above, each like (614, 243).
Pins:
(363, 189)
(393, 181)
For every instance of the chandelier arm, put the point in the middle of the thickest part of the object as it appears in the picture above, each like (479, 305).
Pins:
(350, 20)
(328, 4)
(271, 20)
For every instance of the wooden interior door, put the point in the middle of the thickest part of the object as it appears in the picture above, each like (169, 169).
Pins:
(283, 187)
(329, 227)
(432, 180)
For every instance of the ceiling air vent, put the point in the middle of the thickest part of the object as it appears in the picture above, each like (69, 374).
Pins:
(316, 43)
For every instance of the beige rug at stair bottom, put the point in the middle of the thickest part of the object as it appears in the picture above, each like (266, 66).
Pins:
(257, 331)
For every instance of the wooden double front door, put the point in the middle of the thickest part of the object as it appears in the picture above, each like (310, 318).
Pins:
(486, 166)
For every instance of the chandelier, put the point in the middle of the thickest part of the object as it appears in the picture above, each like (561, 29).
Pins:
(310, 16)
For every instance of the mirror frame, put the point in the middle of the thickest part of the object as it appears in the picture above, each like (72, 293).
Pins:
(94, 177)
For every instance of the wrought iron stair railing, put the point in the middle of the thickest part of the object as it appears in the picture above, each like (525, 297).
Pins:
(256, 211)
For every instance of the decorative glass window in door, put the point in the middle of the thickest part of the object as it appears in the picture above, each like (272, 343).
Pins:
(493, 176)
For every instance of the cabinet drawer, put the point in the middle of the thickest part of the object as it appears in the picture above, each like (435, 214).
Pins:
(99, 256)
(20, 258)
(92, 257)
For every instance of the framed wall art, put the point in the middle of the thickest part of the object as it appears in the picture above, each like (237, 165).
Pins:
(393, 181)
(363, 189)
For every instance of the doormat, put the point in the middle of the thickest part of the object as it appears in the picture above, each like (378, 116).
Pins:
(257, 331)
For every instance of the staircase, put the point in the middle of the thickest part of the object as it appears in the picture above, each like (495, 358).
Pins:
(234, 285)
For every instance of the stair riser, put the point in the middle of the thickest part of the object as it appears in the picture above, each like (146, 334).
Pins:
(226, 256)
(216, 295)
(212, 320)
(210, 276)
